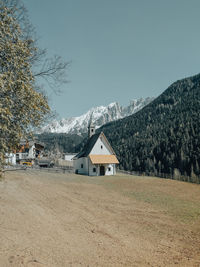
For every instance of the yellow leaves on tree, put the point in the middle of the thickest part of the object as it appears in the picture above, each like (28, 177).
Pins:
(21, 106)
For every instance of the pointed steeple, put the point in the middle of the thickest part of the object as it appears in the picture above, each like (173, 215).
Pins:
(91, 127)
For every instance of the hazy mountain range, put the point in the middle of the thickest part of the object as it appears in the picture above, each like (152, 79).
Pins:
(99, 115)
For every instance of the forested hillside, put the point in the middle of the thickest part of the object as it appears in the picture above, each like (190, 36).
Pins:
(60, 143)
(164, 137)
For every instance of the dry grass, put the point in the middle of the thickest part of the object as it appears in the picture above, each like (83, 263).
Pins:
(179, 200)
(49, 219)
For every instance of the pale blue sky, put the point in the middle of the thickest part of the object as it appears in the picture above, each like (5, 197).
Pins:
(120, 49)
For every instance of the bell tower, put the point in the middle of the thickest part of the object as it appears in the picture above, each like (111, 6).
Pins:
(91, 128)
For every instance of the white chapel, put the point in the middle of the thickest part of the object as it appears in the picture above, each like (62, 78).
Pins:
(97, 157)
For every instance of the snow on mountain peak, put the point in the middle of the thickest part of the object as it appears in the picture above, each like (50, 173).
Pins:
(112, 104)
(99, 115)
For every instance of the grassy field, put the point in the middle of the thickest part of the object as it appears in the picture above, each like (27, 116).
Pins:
(49, 219)
(177, 199)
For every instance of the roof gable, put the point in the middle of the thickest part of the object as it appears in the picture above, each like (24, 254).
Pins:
(102, 146)
(90, 146)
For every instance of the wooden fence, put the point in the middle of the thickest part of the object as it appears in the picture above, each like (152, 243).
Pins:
(193, 179)
(63, 169)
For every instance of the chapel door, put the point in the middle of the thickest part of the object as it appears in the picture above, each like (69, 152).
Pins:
(102, 170)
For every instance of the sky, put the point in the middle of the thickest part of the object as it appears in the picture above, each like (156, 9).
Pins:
(119, 49)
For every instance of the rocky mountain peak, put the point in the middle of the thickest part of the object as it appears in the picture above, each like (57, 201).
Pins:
(100, 115)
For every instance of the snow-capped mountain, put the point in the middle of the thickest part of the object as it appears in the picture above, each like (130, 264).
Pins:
(99, 115)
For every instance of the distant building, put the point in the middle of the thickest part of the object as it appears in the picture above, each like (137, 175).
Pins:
(10, 158)
(97, 157)
(45, 163)
(29, 151)
(69, 156)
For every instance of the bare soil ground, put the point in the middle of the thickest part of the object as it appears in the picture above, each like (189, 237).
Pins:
(49, 219)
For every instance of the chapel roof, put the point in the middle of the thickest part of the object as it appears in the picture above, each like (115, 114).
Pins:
(88, 146)
(103, 159)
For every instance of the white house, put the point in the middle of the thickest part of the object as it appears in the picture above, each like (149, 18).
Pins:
(10, 158)
(28, 151)
(69, 156)
(97, 157)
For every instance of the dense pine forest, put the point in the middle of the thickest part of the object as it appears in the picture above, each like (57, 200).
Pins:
(60, 142)
(164, 137)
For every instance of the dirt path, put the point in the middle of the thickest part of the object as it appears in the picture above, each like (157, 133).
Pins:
(66, 220)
